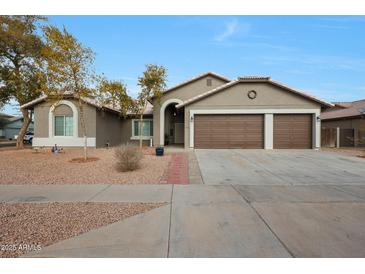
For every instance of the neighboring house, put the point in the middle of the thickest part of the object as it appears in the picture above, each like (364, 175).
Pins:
(3, 119)
(208, 111)
(349, 118)
(10, 126)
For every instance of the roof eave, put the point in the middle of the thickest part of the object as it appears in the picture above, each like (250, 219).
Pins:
(322, 102)
(195, 79)
(253, 80)
(207, 94)
(343, 117)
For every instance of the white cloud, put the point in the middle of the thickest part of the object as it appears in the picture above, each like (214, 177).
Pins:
(231, 28)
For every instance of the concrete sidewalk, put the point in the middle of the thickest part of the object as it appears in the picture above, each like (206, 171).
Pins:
(201, 222)
(215, 221)
(85, 193)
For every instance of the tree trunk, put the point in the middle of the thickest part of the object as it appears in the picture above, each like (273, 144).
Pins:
(23, 129)
(140, 131)
(85, 147)
(83, 127)
(141, 126)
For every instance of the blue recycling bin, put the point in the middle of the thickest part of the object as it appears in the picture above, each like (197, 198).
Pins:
(159, 151)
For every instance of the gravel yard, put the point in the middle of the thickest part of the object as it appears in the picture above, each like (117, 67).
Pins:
(30, 167)
(29, 226)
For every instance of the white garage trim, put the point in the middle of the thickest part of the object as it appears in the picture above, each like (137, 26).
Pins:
(269, 131)
(316, 131)
(162, 118)
(63, 142)
(268, 121)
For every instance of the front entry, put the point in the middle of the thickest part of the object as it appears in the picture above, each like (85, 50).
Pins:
(174, 126)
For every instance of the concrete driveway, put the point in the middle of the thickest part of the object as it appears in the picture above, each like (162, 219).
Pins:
(279, 167)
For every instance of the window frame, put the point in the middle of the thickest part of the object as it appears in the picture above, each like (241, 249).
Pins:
(137, 137)
(64, 126)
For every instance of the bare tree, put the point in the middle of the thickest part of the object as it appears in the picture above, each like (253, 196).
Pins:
(152, 83)
(69, 69)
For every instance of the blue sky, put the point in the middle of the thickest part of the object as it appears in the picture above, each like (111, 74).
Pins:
(322, 55)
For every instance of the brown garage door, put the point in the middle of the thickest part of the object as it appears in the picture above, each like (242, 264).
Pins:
(228, 131)
(293, 131)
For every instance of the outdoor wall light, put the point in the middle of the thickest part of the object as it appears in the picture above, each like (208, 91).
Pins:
(191, 118)
(318, 119)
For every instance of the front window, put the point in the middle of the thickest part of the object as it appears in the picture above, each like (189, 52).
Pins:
(63, 125)
(147, 128)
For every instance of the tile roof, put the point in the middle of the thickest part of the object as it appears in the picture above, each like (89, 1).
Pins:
(260, 79)
(342, 104)
(254, 78)
(349, 109)
(90, 101)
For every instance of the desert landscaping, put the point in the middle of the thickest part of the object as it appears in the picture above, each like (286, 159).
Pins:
(29, 166)
(31, 227)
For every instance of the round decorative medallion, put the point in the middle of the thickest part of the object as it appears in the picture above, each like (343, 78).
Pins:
(252, 94)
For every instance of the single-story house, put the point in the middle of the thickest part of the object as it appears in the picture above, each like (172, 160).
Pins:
(10, 126)
(207, 111)
(349, 119)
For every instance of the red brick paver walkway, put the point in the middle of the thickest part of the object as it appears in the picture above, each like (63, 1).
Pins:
(177, 171)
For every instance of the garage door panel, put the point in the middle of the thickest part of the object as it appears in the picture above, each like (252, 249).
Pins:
(293, 131)
(228, 131)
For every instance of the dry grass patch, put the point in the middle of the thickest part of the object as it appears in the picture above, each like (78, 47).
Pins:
(42, 224)
(82, 160)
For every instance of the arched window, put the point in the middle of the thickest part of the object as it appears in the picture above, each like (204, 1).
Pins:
(63, 121)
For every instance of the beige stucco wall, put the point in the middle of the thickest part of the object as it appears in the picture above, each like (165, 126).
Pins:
(127, 131)
(90, 121)
(235, 97)
(63, 110)
(183, 93)
(41, 113)
(108, 128)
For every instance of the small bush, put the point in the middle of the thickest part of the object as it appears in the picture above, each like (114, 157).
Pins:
(128, 157)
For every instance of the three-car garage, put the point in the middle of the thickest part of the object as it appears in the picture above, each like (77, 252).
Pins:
(247, 131)
(251, 112)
